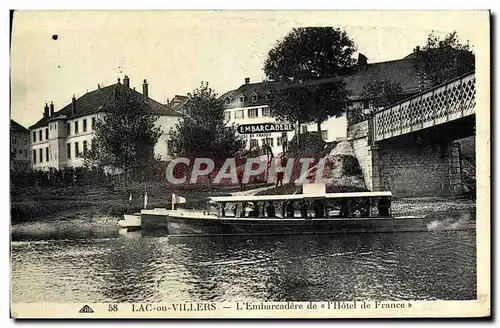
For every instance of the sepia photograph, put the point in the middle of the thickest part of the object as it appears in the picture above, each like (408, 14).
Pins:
(249, 164)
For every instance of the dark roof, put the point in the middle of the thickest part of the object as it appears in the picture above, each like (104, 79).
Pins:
(401, 70)
(100, 100)
(178, 102)
(16, 127)
(247, 90)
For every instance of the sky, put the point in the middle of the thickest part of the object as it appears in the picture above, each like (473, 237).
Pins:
(176, 50)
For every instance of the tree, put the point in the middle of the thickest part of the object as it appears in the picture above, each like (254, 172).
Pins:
(202, 131)
(380, 94)
(442, 60)
(304, 55)
(125, 137)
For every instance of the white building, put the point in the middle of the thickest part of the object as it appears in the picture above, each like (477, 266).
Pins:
(248, 104)
(61, 137)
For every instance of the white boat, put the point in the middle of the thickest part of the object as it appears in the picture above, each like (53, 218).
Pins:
(130, 222)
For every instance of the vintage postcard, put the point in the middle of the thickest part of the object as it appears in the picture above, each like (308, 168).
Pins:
(250, 164)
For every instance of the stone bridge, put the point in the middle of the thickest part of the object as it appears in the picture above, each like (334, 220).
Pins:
(411, 147)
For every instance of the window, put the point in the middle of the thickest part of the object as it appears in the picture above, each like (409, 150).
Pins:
(34, 136)
(77, 152)
(253, 112)
(227, 115)
(26, 140)
(93, 123)
(68, 150)
(50, 127)
(266, 111)
(85, 125)
(47, 154)
(40, 135)
(269, 141)
(279, 141)
(304, 128)
(46, 133)
(13, 139)
(268, 95)
(366, 104)
(34, 156)
(255, 97)
(76, 127)
(242, 98)
(25, 153)
(84, 146)
(239, 113)
(227, 101)
(254, 143)
(40, 152)
(68, 128)
(324, 134)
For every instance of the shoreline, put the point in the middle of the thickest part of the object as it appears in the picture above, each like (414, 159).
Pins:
(74, 204)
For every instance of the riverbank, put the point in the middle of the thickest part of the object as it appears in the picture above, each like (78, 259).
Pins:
(78, 202)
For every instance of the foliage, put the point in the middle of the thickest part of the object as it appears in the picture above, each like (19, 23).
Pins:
(442, 60)
(202, 131)
(380, 94)
(65, 177)
(125, 137)
(310, 53)
(305, 55)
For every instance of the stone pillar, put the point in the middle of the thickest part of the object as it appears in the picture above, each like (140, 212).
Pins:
(376, 167)
(454, 168)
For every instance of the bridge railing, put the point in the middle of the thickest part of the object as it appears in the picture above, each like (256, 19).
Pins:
(446, 102)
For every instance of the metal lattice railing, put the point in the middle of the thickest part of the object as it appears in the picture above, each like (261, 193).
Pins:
(444, 103)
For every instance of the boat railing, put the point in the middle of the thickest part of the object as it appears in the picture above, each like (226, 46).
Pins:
(344, 207)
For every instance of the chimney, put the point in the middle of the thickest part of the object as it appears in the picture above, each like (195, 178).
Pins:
(73, 105)
(145, 89)
(126, 81)
(118, 80)
(46, 111)
(98, 86)
(362, 61)
(417, 49)
(247, 80)
(51, 109)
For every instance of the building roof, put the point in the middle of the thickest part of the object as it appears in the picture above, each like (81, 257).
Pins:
(100, 100)
(401, 70)
(247, 90)
(16, 127)
(178, 102)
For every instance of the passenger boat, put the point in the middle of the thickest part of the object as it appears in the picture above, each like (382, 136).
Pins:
(312, 212)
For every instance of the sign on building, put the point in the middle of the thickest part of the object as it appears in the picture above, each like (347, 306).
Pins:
(265, 128)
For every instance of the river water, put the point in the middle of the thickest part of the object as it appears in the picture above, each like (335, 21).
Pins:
(57, 263)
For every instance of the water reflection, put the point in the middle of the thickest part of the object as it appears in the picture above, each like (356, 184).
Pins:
(132, 267)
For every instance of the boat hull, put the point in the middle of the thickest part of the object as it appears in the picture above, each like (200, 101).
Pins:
(178, 225)
(131, 222)
(155, 220)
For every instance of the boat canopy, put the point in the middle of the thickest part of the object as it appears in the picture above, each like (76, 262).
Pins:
(255, 198)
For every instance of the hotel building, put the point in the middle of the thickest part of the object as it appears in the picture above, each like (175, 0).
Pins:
(249, 103)
(60, 137)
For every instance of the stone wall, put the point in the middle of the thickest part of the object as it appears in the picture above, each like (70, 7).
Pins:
(408, 165)
(357, 135)
(419, 171)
